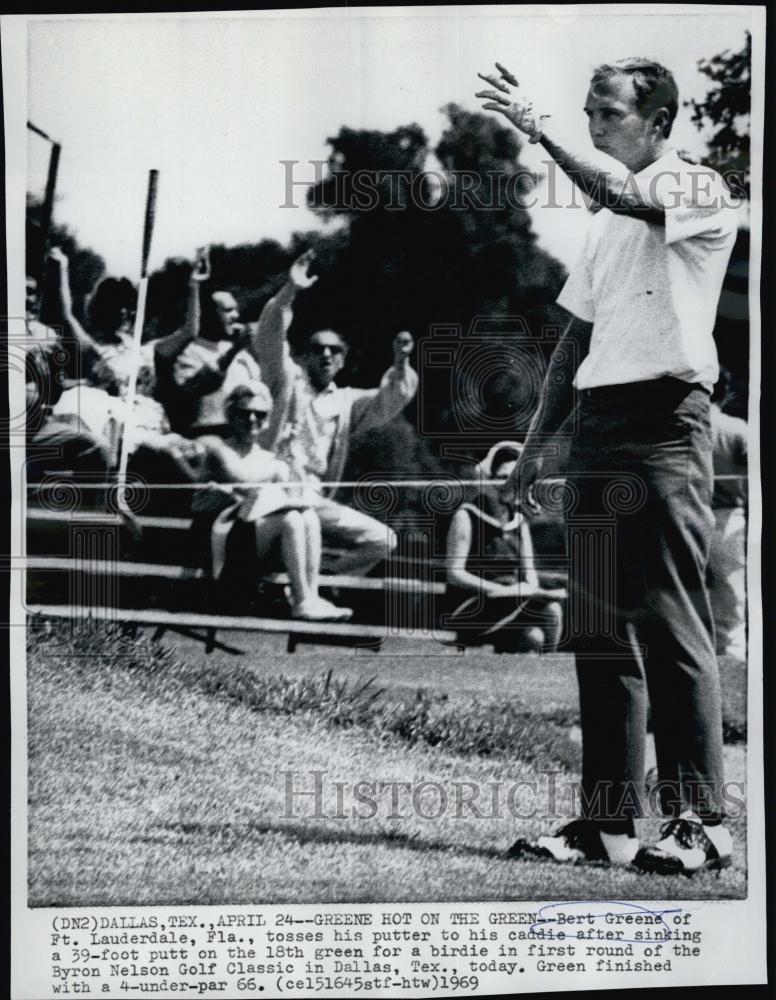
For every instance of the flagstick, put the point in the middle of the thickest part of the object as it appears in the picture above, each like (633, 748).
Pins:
(129, 415)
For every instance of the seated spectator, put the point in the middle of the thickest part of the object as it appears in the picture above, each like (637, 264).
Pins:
(492, 582)
(250, 528)
(315, 419)
(81, 434)
(58, 437)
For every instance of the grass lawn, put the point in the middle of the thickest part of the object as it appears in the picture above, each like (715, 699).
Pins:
(165, 785)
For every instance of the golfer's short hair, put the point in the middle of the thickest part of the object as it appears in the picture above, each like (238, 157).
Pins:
(653, 85)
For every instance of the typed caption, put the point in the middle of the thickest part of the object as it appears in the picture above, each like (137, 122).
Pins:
(459, 950)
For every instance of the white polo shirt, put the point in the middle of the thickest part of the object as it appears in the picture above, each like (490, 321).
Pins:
(651, 291)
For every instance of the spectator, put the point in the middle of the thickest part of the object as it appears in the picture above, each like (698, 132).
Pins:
(107, 359)
(490, 570)
(43, 362)
(248, 527)
(211, 364)
(107, 350)
(79, 435)
(314, 419)
(178, 405)
(727, 557)
(58, 436)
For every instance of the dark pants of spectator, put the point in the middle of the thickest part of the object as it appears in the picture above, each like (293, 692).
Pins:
(639, 530)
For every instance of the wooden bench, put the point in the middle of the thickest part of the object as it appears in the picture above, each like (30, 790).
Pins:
(370, 636)
(415, 579)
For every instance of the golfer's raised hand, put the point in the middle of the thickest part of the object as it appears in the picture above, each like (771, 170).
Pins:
(300, 271)
(403, 344)
(515, 107)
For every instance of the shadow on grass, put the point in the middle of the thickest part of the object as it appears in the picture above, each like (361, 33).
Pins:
(548, 879)
(304, 834)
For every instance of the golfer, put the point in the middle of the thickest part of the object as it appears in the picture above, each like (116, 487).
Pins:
(639, 362)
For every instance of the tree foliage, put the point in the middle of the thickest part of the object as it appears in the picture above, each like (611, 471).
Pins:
(726, 111)
(724, 115)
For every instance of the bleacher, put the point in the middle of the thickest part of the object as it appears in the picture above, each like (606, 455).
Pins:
(96, 564)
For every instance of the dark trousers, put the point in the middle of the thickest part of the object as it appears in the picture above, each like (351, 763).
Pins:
(639, 531)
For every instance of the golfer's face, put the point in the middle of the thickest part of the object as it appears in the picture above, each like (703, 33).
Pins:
(324, 357)
(616, 125)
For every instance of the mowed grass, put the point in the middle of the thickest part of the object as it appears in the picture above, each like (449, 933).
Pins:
(159, 778)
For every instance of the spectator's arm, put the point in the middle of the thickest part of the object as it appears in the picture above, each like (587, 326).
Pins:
(169, 347)
(397, 388)
(200, 376)
(269, 343)
(86, 344)
(459, 543)
(195, 375)
(530, 576)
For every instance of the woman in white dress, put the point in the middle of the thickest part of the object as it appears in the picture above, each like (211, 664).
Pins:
(251, 525)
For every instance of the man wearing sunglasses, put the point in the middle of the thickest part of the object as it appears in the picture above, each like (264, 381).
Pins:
(314, 419)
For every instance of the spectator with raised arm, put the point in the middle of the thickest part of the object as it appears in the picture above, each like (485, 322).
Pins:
(106, 358)
(315, 419)
(204, 368)
(106, 350)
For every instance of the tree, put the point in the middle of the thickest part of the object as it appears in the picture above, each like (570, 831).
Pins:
(726, 112)
(402, 259)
